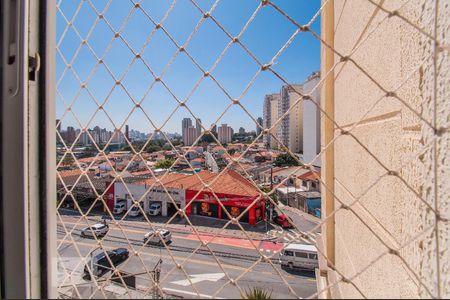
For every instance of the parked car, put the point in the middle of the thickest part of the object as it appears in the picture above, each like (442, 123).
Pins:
(100, 264)
(99, 230)
(153, 237)
(120, 207)
(299, 256)
(154, 209)
(283, 221)
(136, 210)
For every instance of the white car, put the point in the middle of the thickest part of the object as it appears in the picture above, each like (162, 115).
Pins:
(155, 209)
(154, 238)
(119, 208)
(98, 230)
(135, 210)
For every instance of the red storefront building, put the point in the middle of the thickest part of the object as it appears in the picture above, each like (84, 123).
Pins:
(234, 192)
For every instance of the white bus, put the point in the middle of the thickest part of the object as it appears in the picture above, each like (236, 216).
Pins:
(299, 256)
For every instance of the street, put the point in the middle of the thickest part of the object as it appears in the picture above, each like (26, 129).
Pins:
(188, 269)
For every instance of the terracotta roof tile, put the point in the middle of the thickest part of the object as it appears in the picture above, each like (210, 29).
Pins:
(229, 182)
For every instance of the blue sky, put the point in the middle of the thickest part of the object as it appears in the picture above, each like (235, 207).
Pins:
(264, 37)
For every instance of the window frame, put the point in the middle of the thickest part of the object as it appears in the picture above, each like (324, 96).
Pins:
(28, 159)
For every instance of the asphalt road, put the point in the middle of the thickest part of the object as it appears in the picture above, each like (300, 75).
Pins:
(209, 269)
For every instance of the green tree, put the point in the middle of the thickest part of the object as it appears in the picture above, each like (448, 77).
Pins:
(208, 139)
(273, 196)
(286, 160)
(164, 164)
(152, 148)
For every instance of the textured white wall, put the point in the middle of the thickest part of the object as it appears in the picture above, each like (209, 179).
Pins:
(393, 135)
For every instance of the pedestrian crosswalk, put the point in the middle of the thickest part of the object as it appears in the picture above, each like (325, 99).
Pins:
(289, 236)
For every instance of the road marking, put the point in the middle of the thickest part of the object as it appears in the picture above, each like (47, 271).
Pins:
(228, 241)
(214, 277)
(179, 259)
(190, 293)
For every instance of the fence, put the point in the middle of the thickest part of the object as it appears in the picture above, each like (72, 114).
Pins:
(384, 129)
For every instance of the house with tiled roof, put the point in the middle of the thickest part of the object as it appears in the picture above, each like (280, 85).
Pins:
(309, 181)
(174, 190)
(228, 194)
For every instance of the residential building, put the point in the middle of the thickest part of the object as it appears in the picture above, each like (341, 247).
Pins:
(186, 123)
(84, 139)
(189, 135)
(70, 135)
(214, 128)
(225, 134)
(189, 132)
(259, 126)
(270, 117)
(198, 126)
(117, 138)
(311, 120)
(290, 131)
(241, 130)
(127, 132)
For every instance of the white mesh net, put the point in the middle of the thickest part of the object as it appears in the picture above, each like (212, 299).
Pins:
(116, 62)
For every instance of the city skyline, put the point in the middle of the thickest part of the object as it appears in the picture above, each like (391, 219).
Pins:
(208, 100)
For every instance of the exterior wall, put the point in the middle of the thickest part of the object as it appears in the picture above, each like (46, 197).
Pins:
(227, 200)
(311, 121)
(295, 143)
(189, 136)
(290, 131)
(274, 103)
(157, 194)
(270, 116)
(266, 119)
(225, 134)
(395, 54)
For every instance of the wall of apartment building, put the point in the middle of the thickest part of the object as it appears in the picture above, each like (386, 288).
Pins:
(274, 103)
(395, 54)
(295, 142)
(311, 121)
(290, 129)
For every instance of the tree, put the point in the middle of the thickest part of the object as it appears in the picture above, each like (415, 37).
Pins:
(208, 138)
(152, 148)
(273, 196)
(164, 164)
(286, 160)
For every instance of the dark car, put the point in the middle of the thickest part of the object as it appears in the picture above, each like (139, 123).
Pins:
(100, 264)
(283, 221)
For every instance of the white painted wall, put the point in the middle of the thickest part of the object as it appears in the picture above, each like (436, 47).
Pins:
(311, 122)
(157, 194)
